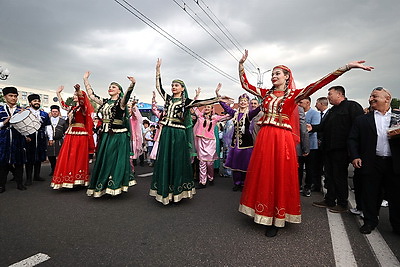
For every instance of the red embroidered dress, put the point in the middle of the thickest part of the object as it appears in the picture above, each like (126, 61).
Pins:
(72, 167)
(271, 189)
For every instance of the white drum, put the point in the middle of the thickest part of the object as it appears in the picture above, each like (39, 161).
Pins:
(25, 122)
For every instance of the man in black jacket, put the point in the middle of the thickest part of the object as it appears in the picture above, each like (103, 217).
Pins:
(375, 154)
(336, 127)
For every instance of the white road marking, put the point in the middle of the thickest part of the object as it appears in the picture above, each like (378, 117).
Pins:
(342, 250)
(383, 254)
(32, 261)
(145, 174)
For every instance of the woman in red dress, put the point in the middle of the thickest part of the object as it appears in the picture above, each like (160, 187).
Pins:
(72, 166)
(271, 189)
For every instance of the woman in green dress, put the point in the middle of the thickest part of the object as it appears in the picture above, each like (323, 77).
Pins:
(173, 177)
(112, 172)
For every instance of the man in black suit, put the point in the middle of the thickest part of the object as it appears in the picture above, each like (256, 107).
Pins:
(375, 154)
(336, 128)
(322, 106)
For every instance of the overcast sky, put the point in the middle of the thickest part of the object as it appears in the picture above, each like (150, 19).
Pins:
(48, 43)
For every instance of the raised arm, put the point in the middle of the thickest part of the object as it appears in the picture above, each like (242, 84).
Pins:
(60, 99)
(227, 108)
(196, 109)
(210, 101)
(154, 108)
(312, 88)
(81, 97)
(254, 112)
(260, 92)
(159, 88)
(127, 96)
(89, 89)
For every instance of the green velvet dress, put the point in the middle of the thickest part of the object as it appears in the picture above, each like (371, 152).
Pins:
(112, 173)
(173, 177)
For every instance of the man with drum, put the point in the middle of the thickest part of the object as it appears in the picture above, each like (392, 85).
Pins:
(36, 143)
(12, 143)
(55, 134)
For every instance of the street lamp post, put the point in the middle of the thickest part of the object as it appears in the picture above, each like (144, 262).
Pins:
(260, 77)
(4, 73)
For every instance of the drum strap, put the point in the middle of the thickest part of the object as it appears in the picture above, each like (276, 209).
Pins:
(9, 112)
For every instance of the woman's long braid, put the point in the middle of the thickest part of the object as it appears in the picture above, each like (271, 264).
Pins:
(285, 95)
(100, 109)
(183, 102)
(206, 118)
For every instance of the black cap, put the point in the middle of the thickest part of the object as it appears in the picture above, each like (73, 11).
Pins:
(33, 97)
(10, 90)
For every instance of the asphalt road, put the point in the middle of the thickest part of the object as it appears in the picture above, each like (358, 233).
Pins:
(133, 229)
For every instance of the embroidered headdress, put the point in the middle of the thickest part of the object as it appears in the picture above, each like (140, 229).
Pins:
(244, 96)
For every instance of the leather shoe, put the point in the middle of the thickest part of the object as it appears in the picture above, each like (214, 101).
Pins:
(28, 182)
(322, 204)
(366, 229)
(236, 187)
(200, 186)
(271, 231)
(21, 187)
(338, 209)
(2, 189)
(41, 179)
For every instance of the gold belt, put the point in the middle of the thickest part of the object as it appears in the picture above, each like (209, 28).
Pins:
(116, 122)
(77, 125)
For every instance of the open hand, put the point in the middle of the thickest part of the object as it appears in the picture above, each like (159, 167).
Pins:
(359, 64)
(158, 65)
(244, 57)
(86, 75)
(218, 88)
(198, 91)
(132, 79)
(227, 99)
(60, 89)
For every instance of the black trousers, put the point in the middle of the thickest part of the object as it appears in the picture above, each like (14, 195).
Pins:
(336, 173)
(313, 176)
(35, 168)
(6, 168)
(379, 180)
(358, 184)
(52, 160)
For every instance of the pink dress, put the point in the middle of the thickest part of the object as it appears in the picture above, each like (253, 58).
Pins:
(204, 136)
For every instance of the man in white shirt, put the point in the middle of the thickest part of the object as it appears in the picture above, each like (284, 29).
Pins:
(55, 135)
(377, 156)
(149, 137)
